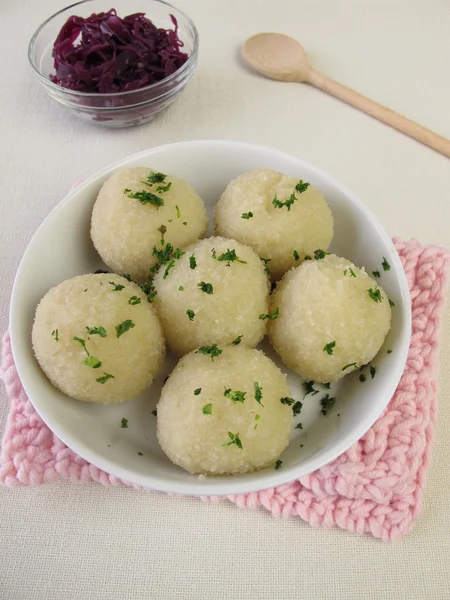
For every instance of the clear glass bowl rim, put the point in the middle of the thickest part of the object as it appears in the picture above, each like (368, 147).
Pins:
(153, 86)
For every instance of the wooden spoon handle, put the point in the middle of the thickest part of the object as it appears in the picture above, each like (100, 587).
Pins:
(380, 112)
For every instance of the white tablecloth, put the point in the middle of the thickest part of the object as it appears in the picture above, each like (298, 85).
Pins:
(66, 542)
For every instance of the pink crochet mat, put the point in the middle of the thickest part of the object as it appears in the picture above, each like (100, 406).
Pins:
(375, 487)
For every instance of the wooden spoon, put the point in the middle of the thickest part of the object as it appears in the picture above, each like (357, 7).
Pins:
(281, 57)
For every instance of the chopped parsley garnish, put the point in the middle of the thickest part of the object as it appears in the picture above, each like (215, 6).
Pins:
(278, 464)
(101, 331)
(83, 343)
(386, 266)
(207, 409)
(154, 413)
(308, 257)
(184, 223)
(302, 186)
(299, 426)
(213, 351)
(352, 272)
(164, 188)
(192, 261)
(289, 202)
(329, 348)
(391, 303)
(155, 177)
(140, 454)
(206, 287)
(124, 423)
(234, 396)
(297, 408)
(326, 385)
(178, 211)
(197, 392)
(145, 197)
(237, 341)
(162, 256)
(134, 300)
(101, 271)
(266, 262)
(362, 378)
(309, 388)
(124, 327)
(234, 439)
(191, 314)
(270, 316)
(389, 351)
(349, 366)
(372, 370)
(104, 378)
(162, 230)
(375, 295)
(376, 274)
(117, 287)
(247, 215)
(92, 362)
(180, 288)
(55, 334)
(258, 393)
(229, 256)
(327, 404)
(127, 277)
(301, 445)
(296, 255)
(319, 254)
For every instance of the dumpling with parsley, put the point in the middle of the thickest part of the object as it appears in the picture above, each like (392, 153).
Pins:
(98, 339)
(282, 218)
(332, 318)
(225, 410)
(138, 210)
(216, 291)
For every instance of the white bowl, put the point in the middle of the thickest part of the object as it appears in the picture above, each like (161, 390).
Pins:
(61, 248)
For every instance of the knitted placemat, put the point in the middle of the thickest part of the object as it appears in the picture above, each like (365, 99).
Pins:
(375, 487)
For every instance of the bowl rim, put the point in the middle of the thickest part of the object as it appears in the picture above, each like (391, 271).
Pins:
(108, 95)
(208, 487)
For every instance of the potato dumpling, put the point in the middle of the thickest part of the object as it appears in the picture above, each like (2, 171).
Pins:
(137, 208)
(98, 339)
(217, 292)
(333, 318)
(221, 411)
(280, 217)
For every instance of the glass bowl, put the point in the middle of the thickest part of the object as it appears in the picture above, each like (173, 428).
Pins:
(118, 109)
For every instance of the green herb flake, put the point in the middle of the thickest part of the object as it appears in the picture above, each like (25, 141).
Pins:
(101, 331)
(296, 255)
(287, 401)
(266, 262)
(349, 366)
(352, 272)
(270, 316)
(180, 288)
(127, 277)
(162, 230)
(247, 215)
(155, 177)
(329, 348)
(116, 287)
(140, 454)
(124, 424)
(375, 295)
(391, 303)
(327, 404)
(192, 262)
(191, 314)
(376, 274)
(206, 287)
(373, 371)
(228, 256)
(309, 388)
(104, 378)
(288, 203)
(197, 392)
(299, 426)
(154, 413)
(212, 351)
(362, 378)
(145, 197)
(301, 445)
(178, 211)
(134, 300)
(207, 409)
(345, 271)
(234, 396)
(386, 266)
(319, 254)
(258, 393)
(92, 362)
(85, 290)
(302, 186)
(237, 341)
(83, 343)
(389, 351)
(278, 464)
(326, 385)
(184, 223)
(307, 257)
(55, 335)
(164, 188)
(124, 327)
(234, 439)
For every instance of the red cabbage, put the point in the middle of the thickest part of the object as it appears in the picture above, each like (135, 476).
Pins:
(104, 53)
